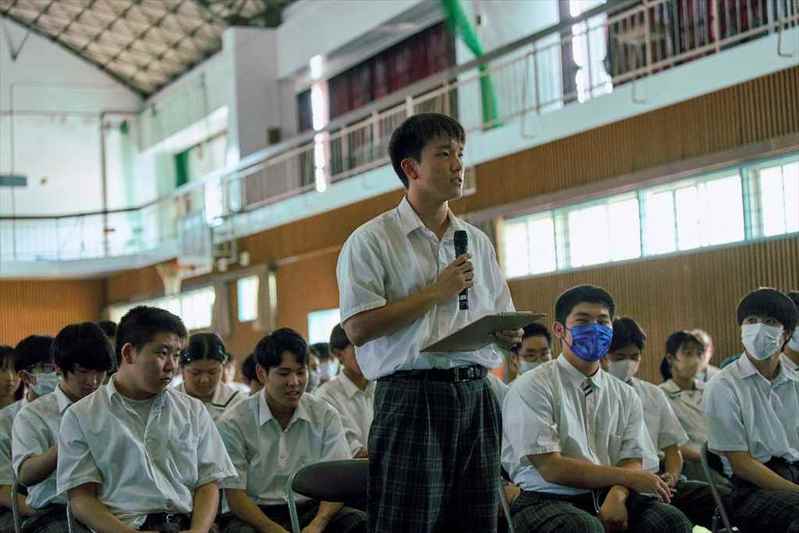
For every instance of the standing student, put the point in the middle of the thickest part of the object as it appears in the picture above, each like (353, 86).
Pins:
(137, 454)
(751, 409)
(434, 444)
(666, 436)
(573, 436)
(202, 364)
(350, 393)
(273, 434)
(83, 355)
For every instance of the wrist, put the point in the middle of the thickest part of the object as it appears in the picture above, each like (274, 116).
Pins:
(617, 494)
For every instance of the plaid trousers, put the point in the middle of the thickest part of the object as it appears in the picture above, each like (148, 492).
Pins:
(434, 457)
(347, 520)
(6, 521)
(754, 509)
(538, 512)
(52, 519)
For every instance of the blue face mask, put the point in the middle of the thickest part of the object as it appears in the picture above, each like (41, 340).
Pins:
(590, 342)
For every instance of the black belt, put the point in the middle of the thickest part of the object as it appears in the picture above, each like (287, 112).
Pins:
(166, 522)
(450, 375)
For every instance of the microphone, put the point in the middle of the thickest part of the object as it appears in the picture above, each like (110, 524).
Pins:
(461, 244)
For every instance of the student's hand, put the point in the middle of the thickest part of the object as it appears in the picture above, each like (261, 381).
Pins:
(511, 492)
(508, 338)
(670, 479)
(363, 453)
(313, 527)
(613, 513)
(646, 483)
(457, 276)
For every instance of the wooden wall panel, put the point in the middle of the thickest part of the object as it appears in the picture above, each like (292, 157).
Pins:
(663, 295)
(44, 307)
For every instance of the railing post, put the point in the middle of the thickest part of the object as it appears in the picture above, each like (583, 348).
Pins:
(408, 106)
(714, 6)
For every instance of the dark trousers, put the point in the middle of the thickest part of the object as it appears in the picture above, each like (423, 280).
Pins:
(538, 512)
(347, 520)
(433, 456)
(755, 509)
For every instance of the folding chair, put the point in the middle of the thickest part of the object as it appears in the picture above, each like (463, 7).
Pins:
(505, 508)
(70, 518)
(330, 481)
(712, 463)
(15, 505)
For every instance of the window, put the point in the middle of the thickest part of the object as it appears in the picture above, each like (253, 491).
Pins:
(321, 323)
(779, 199)
(195, 307)
(247, 297)
(726, 207)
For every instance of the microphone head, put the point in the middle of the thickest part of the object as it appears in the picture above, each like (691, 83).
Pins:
(461, 238)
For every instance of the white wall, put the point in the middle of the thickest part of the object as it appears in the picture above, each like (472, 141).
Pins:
(55, 133)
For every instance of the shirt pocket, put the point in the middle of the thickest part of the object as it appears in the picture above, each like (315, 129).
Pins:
(182, 460)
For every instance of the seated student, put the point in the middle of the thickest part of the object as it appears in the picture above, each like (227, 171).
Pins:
(684, 352)
(665, 434)
(109, 327)
(250, 375)
(201, 364)
(83, 355)
(572, 436)
(11, 386)
(137, 454)
(328, 365)
(790, 356)
(10, 360)
(751, 409)
(274, 433)
(350, 393)
(706, 370)
(535, 349)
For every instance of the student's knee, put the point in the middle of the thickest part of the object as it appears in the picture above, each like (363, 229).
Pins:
(529, 520)
(662, 518)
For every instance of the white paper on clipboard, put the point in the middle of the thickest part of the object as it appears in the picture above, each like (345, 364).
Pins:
(480, 332)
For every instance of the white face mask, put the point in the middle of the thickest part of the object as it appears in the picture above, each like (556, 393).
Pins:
(526, 366)
(46, 382)
(328, 370)
(313, 380)
(624, 369)
(793, 344)
(761, 341)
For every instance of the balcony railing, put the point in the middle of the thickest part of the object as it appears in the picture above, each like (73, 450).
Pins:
(579, 59)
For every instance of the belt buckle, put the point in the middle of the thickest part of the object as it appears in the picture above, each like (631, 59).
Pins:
(463, 374)
(171, 518)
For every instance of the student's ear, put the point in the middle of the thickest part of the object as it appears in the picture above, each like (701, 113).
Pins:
(261, 373)
(410, 168)
(559, 330)
(128, 353)
(27, 378)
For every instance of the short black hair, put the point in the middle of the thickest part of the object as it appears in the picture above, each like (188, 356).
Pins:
(626, 331)
(571, 298)
(8, 359)
(415, 132)
(204, 346)
(339, 339)
(34, 350)
(109, 327)
(536, 330)
(83, 344)
(679, 339)
(142, 323)
(248, 368)
(321, 350)
(794, 296)
(771, 303)
(269, 350)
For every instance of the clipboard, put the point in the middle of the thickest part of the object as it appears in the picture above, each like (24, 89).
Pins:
(479, 333)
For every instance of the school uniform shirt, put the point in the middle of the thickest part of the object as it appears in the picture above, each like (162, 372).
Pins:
(7, 415)
(35, 431)
(547, 410)
(394, 256)
(147, 456)
(265, 454)
(688, 406)
(224, 398)
(499, 387)
(661, 423)
(787, 363)
(748, 413)
(355, 406)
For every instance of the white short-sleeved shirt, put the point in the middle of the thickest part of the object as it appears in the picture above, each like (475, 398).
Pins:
(355, 406)
(140, 472)
(7, 415)
(688, 406)
(224, 398)
(394, 256)
(746, 412)
(35, 431)
(786, 362)
(265, 454)
(500, 389)
(544, 412)
(659, 417)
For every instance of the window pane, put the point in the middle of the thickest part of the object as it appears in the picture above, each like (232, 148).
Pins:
(515, 248)
(790, 176)
(197, 308)
(689, 229)
(779, 199)
(321, 323)
(625, 230)
(659, 223)
(722, 216)
(247, 298)
(542, 245)
(589, 241)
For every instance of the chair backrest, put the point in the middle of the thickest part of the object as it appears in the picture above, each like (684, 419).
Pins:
(332, 481)
(713, 460)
